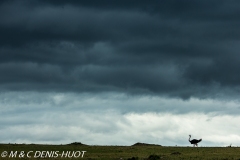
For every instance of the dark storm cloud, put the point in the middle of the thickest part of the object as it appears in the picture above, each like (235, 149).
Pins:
(173, 48)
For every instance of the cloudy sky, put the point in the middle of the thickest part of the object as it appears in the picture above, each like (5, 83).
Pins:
(120, 72)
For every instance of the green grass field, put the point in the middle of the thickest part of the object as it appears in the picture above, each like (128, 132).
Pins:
(139, 152)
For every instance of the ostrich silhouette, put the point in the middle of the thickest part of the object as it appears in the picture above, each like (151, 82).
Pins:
(194, 141)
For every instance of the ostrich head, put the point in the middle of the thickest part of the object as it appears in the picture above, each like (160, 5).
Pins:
(189, 138)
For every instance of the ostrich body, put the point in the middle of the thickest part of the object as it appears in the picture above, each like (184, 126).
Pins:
(194, 141)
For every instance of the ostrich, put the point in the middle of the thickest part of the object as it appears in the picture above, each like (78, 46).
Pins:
(194, 141)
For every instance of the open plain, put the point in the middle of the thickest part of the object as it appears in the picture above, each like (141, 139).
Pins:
(138, 151)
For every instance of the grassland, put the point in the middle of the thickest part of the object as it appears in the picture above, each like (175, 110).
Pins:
(139, 151)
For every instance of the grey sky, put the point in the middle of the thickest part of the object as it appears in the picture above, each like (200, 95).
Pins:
(140, 57)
